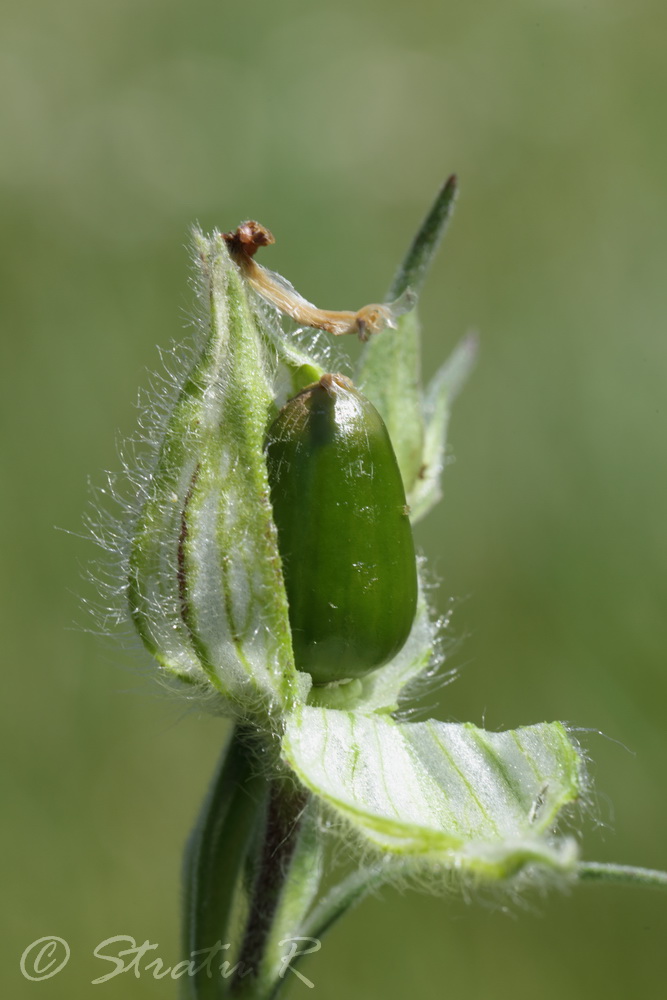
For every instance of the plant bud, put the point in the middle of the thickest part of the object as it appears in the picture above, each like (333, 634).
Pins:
(343, 531)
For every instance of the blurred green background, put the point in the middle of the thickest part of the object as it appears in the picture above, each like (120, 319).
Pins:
(334, 125)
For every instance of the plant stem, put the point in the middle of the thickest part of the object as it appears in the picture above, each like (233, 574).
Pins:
(214, 858)
(623, 874)
(284, 815)
(341, 898)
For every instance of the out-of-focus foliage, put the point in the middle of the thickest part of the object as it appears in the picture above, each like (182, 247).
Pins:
(121, 125)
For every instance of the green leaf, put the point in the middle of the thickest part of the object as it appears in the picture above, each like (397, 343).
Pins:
(389, 370)
(441, 393)
(205, 588)
(442, 794)
(414, 267)
(389, 373)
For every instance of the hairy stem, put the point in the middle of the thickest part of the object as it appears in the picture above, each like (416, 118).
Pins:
(284, 816)
(214, 858)
(625, 874)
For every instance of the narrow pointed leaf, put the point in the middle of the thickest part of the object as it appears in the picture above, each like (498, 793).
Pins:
(414, 267)
(441, 393)
(389, 370)
(442, 793)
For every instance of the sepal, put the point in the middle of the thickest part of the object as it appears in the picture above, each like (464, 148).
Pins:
(205, 583)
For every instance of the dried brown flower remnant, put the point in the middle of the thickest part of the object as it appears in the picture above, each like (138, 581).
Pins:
(247, 239)
(243, 244)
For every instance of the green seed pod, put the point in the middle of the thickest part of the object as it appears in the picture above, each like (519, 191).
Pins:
(343, 531)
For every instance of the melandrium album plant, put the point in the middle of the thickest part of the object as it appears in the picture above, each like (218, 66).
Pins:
(268, 566)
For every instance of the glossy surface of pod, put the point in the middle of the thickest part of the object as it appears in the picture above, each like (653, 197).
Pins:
(343, 530)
